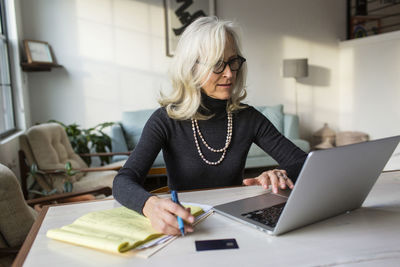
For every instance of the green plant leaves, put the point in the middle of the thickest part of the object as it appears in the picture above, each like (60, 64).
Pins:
(85, 140)
(68, 169)
(68, 186)
(33, 169)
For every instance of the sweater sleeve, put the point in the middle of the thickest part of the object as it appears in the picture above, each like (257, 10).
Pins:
(128, 183)
(288, 155)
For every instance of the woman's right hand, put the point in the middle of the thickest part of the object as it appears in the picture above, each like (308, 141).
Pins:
(162, 215)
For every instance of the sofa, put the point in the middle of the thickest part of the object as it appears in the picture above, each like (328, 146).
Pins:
(126, 134)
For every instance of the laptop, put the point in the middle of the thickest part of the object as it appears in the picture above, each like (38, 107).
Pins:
(331, 182)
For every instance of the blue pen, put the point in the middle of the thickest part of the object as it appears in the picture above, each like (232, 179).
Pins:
(180, 221)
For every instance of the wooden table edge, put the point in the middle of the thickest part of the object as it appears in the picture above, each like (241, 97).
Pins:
(30, 238)
(26, 246)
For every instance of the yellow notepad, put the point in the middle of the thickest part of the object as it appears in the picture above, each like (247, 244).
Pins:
(115, 230)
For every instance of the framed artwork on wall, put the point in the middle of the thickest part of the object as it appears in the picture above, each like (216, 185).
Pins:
(38, 52)
(179, 14)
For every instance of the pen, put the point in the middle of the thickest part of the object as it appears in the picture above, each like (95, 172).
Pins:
(180, 221)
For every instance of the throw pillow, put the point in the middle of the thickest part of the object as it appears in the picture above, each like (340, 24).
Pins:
(274, 114)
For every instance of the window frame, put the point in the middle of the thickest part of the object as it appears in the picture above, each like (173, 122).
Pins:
(4, 38)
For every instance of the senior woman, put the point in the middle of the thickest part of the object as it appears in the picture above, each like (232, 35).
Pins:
(203, 129)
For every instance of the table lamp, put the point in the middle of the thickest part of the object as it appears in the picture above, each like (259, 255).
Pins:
(295, 68)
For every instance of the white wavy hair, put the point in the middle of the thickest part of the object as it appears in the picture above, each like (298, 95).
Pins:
(202, 41)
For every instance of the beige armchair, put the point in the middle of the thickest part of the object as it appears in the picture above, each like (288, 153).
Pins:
(47, 145)
(17, 216)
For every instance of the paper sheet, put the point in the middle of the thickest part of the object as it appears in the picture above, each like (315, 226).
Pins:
(118, 230)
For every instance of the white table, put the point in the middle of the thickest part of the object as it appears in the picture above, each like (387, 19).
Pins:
(369, 236)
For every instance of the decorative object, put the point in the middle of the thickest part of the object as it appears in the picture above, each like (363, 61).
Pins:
(196, 131)
(324, 138)
(349, 137)
(38, 52)
(361, 7)
(295, 68)
(179, 14)
(39, 56)
(367, 18)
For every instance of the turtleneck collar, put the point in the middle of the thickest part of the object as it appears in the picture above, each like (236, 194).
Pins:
(213, 105)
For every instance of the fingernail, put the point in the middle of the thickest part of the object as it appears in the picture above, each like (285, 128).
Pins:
(191, 219)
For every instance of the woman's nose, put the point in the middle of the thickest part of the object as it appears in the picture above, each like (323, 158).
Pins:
(227, 72)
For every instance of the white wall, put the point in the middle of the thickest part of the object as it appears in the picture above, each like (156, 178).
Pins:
(113, 53)
(113, 56)
(370, 87)
(276, 29)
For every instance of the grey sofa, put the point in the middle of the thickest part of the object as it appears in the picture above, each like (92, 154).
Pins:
(126, 134)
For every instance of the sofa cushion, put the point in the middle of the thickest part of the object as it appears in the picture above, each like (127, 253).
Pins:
(133, 123)
(262, 161)
(274, 115)
(95, 179)
(256, 151)
(51, 147)
(258, 158)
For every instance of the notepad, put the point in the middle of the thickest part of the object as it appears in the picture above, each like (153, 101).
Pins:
(115, 230)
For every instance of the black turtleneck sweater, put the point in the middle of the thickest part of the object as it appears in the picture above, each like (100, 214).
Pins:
(186, 170)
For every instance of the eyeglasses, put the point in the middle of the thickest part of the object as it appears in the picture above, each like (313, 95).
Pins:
(234, 64)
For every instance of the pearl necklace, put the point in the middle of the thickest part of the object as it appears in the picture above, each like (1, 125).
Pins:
(196, 131)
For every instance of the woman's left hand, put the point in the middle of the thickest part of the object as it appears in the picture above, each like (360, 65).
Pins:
(276, 178)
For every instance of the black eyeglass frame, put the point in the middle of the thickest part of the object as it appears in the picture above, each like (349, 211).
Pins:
(229, 62)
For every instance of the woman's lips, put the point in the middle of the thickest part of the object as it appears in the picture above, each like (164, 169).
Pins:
(225, 85)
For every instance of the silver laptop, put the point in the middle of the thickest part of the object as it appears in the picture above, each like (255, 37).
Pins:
(331, 182)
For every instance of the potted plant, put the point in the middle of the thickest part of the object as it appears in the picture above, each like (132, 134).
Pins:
(91, 139)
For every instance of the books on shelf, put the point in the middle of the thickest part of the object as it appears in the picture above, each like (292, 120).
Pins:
(119, 230)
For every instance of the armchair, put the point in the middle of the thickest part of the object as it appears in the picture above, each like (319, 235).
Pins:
(17, 216)
(48, 146)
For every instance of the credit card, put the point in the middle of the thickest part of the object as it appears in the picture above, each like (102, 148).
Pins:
(216, 244)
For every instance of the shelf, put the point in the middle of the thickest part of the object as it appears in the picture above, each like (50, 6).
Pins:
(379, 38)
(30, 67)
(367, 18)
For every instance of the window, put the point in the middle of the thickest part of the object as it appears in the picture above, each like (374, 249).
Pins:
(7, 121)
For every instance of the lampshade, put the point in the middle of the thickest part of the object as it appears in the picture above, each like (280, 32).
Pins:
(295, 68)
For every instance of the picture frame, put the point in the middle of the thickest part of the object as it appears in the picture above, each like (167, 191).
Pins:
(179, 14)
(38, 52)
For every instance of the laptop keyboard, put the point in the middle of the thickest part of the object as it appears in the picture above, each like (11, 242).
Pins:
(268, 216)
